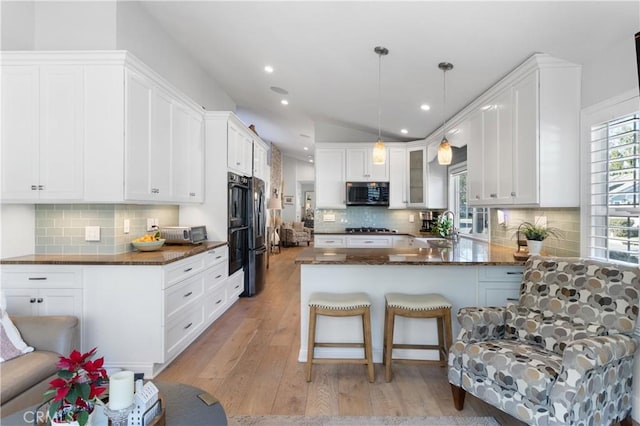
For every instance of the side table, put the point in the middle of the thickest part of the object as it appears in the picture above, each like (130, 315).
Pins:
(183, 407)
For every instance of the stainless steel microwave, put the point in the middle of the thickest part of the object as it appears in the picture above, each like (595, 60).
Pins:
(184, 234)
(367, 193)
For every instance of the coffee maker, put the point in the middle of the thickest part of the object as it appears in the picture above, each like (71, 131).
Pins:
(428, 219)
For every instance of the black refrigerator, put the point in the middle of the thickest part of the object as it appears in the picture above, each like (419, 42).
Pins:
(255, 272)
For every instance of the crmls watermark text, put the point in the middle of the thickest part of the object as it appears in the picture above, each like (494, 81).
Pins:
(35, 417)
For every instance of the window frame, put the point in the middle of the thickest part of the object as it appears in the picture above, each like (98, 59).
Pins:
(453, 171)
(617, 107)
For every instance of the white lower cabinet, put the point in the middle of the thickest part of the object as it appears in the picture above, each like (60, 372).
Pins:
(321, 241)
(499, 285)
(141, 317)
(367, 241)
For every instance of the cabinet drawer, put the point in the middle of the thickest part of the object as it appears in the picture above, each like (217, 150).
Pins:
(215, 302)
(235, 285)
(182, 329)
(41, 279)
(217, 255)
(215, 276)
(183, 269)
(367, 241)
(183, 294)
(329, 241)
(501, 273)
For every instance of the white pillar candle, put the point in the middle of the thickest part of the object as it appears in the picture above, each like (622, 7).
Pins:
(120, 390)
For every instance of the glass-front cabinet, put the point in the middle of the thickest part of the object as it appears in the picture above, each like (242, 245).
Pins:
(417, 173)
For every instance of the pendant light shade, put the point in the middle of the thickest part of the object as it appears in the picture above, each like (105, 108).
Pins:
(379, 150)
(444, 150)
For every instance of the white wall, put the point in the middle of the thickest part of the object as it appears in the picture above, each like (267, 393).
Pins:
(17, 24)
(295, 171)
(17, 230)
(612, 72)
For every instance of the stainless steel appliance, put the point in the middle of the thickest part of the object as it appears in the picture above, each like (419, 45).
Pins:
(238, 226)
(428, 219)
(183, 234)
(255, 273)
(367, 193)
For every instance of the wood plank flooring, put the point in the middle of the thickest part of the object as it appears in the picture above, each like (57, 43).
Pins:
(248, 359)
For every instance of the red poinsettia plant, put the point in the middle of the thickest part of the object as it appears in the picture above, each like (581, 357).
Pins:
(77, 387)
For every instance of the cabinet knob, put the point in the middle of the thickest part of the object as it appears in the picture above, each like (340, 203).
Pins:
(32, 300)
(40, 300)
(237, 163)
(513, 193)
(477, 197)
(493, 195)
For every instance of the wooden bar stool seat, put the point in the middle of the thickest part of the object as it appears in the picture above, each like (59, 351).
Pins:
(416, 306)
(340, 305)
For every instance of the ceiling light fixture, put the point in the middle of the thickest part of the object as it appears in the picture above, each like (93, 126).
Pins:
(379, 150)
(404, 131)
(306, 148)
(268, 69)
(425, 107)
(284, 102)
(444, 150)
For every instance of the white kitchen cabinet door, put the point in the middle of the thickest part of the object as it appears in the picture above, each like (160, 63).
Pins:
(20, 133)
(61, 132)
(239, 149)
(187, 155)
(417, 176)
(475, 160)
(160, 150)
(60, 301)
(330, 178)
(525, 140)
(260, 167)
(360, 167)
(21, 301)
(397, 178)
(138, 100)
(42, 133)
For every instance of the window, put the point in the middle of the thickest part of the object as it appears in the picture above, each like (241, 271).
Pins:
(468, 220)
(615, 189)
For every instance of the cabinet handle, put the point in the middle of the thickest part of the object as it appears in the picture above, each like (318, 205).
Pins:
(218, 257)
(188, 294)
(219, 301)
(237, 163)
(192, 194)
(238, 286)
(477, 197)
(32, 300)
(493, 195)
(34, 187)
(40, 187)
(37, 278)
(368, 242)
(187, 270)
(330, 241)
(218, 276)
(188, 325)
(40, 300)
(512, 299)
(514, 273)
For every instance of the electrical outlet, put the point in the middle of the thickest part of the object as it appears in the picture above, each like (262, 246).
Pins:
(412, 218)
(127, 226)
(92, 233)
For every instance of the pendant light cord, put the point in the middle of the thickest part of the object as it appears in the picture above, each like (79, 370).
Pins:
(379, 91)
(444, 104)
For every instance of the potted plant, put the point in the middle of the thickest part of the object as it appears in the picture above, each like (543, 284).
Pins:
(76, 389)
(536, 234)
(443, 226)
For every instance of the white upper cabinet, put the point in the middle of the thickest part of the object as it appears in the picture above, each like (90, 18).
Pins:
(360, 167)
(42, 133)
(260, 166)
(239, 147)
(524, 137)
(330, 178)
(96, 127)
(397, 178)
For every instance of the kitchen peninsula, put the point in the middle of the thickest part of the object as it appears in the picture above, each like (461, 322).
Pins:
(466, 272)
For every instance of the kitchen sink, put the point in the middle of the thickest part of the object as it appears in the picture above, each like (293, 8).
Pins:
(432, 242)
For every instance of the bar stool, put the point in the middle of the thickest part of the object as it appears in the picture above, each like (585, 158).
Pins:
(416, 306)
(340, 305)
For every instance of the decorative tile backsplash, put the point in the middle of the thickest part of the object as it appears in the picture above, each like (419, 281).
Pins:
(60, 228)
(363, 216)
(567, 220)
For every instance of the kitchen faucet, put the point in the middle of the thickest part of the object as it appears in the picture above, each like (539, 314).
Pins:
(454, 233)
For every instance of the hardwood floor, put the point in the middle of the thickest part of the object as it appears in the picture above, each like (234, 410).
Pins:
(248, 359)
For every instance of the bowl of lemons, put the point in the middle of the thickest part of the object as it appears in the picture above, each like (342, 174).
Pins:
(148, 242)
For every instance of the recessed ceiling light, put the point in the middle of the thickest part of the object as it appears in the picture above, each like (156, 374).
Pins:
(425, 107)
(311, 161)
(404, 131)
(306, 148)
(284, 102)
(268, 69)
(279, 90)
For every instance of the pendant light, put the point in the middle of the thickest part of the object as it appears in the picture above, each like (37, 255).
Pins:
(444, 150)
(379, 150)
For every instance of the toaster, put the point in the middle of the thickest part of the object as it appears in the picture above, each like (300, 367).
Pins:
(184, 234)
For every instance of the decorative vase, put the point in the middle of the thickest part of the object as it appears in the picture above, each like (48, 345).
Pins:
(534, 247)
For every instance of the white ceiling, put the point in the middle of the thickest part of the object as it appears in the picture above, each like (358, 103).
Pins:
(323, 55)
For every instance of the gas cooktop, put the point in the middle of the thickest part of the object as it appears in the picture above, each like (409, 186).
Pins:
(364, 229)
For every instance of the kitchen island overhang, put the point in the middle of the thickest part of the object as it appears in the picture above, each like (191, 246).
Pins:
(468, 273)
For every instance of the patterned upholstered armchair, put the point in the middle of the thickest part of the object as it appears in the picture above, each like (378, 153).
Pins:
(563, 355)
(295, 233)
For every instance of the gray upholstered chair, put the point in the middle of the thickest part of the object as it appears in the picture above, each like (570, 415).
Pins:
(294, 234)
(563, 355)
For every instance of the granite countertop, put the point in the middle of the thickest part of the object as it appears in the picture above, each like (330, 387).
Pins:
(166, 254)
(462, 252)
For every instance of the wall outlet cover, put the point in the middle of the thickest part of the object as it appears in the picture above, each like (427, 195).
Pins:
(540, 220)
(329, 217)
(92, 233)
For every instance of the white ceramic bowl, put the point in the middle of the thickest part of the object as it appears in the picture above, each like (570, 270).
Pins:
(148, 246)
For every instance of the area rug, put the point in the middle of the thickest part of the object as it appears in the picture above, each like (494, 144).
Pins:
(359, 421)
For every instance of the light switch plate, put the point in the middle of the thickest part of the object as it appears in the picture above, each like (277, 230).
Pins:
(92, 233)
(412, 218)
(127, 226)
